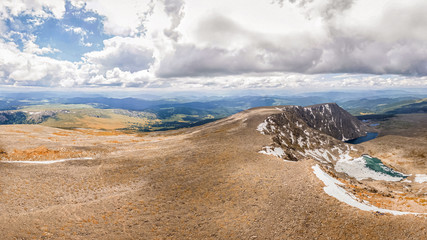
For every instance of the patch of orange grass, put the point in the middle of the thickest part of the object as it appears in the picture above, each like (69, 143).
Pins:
(420, 201)
(17, 131)
(41, 153)
(61, 134)
(99, 133)
(379, 200)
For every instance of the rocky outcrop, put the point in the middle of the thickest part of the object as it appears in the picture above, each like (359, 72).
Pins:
(316, 131)
(332, 120)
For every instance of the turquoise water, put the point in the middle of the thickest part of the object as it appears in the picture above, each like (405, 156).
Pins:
(369, 136)
(378, 166)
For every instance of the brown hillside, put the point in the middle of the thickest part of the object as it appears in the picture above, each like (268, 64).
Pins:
(207, 182)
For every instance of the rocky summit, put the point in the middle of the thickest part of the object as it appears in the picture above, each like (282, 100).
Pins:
(316, 131)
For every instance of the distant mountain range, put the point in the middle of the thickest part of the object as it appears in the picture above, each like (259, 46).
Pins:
(172, 113)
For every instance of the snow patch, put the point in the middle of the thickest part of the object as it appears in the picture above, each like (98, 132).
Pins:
(300, 142)
(357, 168)
(49, 162)
(262, 127)
(333, 189)
(344, 138)
(32, 113)
(420, 178)
(275, 151)
(318, 154)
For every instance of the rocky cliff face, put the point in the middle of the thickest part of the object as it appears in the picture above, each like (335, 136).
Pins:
(332, 120)
(315, 131)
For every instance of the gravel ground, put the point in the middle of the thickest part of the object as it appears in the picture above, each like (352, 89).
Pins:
(207, 182)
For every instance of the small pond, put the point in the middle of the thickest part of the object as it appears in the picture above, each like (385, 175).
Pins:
(378, 166)
(369, 136)
(367, 167)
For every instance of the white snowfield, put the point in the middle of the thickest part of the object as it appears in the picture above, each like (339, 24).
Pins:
(49, 162)
(420, 178)
(357, 168)
(333, 189)
(262, 126)
(275, 151)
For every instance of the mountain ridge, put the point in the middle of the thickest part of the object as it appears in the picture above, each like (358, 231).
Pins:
(316, 131)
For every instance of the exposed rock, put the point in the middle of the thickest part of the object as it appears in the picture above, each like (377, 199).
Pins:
(331, 119)
(315, 131)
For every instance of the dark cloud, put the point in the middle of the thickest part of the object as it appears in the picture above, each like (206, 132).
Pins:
(254, 52)
(189, 60)
(394, 44)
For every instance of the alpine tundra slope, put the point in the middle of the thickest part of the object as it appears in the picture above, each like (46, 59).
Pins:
(209, 182)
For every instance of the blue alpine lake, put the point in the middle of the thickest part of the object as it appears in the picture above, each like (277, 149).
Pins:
(369, 136)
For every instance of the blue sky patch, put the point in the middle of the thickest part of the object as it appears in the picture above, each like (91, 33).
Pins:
(78, 32)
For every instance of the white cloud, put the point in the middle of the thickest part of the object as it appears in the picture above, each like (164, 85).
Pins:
(123, 18)
(227, 44)
(117, 77)
(78, 3)
(27, 69)
(326, 37)
(90, 19)
(40, 8)
(128, 54)
(76, 30)
(31, 47)
(24, 68)
(79, 31)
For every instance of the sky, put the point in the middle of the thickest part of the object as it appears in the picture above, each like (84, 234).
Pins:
(221, 44)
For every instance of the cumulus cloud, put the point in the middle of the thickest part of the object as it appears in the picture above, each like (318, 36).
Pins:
(122, 18)
(40, 8)
(231, 49)
(227, 44)
(117, 77)
(90, 19)
(128, 54)
(189, 60)
(384, 45)
(26, 69)
(31, 47)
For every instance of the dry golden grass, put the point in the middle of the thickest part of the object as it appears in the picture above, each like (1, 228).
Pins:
(101, 123)
(41, 153)
(207, 182)
(99, 133)
(96, 119)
